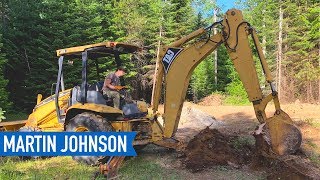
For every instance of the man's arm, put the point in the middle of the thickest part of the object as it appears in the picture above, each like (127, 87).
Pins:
(107, 84)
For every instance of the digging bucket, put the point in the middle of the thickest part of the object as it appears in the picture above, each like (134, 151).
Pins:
(283, 136)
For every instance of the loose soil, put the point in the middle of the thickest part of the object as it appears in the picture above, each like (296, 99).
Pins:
(221, 136)
(212, 100)
(211, 148)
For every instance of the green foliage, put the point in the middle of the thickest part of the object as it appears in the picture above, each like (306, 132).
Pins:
(300, 46)
(33, 33)
(17, 116)
(4, 95)
(32, 30)
(147, 23)
(242, 141)
(236, 94)
(202, 80)
(2, 117)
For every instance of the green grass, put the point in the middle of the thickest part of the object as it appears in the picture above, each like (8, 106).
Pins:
(65, 168)
(315, 158)
(141, 168)
(50, 168)
(313, 122)
(242, 141)
(311, 144)
(314, 155)
(235, 100)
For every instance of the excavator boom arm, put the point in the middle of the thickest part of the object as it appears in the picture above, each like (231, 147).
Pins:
(175, 64)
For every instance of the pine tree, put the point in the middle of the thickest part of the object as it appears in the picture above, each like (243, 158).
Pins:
(35, 30)
(18, 33)
(4, 95)
(301, 53)
(299, 65)
(202, 82)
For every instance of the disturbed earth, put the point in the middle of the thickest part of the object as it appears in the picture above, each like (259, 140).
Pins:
(211, 148)
(209, 142)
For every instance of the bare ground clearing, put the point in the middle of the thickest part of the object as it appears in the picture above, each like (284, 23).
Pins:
(226, 150)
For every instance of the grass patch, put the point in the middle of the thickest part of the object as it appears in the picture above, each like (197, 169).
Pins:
(313, 122)
(65, 168)
(313, 155)
(51, 168)
(141, 168)
(242, 141)
(315, 158)
(311, 144)
(235, 100)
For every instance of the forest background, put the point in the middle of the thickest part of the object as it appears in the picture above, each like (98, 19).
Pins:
(31, 31)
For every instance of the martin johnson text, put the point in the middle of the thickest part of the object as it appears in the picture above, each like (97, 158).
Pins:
(64, 143)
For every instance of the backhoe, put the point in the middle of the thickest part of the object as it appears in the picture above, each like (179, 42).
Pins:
(83, 108)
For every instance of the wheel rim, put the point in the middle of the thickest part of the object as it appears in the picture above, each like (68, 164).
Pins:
(81, 129)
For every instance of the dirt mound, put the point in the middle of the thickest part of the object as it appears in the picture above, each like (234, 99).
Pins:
(211, 100)
(210, 148)
(192, 121)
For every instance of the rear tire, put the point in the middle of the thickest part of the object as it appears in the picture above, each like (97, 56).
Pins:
(89, 122)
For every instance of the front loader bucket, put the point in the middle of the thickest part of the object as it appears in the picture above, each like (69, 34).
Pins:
(284, 137)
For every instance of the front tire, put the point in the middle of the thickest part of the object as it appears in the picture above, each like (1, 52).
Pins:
(28, 129)
(85, 122)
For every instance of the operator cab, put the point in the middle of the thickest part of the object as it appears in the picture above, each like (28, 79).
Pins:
(86, 92)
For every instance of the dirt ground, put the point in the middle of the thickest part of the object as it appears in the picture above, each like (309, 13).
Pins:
(225, 149)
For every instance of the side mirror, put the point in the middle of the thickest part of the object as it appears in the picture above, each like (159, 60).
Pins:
(39, 98)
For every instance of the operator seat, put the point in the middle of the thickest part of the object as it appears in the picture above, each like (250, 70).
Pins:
(99, 86)
(93, 95)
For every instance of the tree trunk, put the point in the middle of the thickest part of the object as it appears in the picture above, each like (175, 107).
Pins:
(308, 92)
(285, 84)
(157, 66)
(27, 59)
(319, 67)
(280, 50)
(215, 52)
(284, 74)
(311, 93)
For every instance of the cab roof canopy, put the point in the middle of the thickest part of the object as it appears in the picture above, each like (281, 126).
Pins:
(99, 50)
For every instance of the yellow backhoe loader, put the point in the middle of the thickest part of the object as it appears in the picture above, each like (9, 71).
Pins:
(83, 108)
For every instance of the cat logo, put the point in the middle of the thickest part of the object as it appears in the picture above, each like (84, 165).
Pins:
(169, 57)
